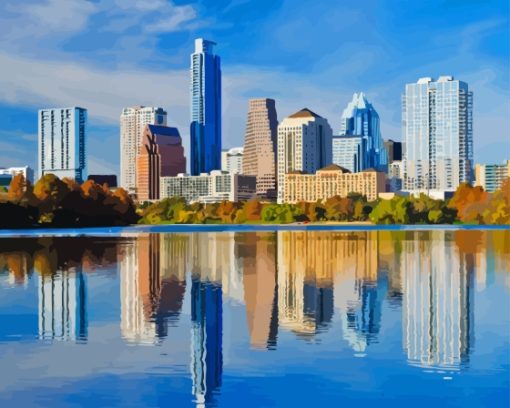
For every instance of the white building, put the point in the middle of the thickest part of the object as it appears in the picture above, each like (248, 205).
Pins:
(233, 160)
(209, 188)
(10, 172)
(132, 124)
(62, 142)
(437, 122)
(304, 144)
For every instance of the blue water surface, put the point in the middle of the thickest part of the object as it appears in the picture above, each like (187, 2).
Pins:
(255, 317)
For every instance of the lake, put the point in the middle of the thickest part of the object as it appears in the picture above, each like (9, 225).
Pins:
(276, 318)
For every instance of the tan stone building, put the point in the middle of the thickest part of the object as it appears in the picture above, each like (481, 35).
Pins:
(260, 145)
(331, 181)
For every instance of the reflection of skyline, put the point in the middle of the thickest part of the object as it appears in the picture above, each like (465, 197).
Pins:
(438, 301)
(63, 305)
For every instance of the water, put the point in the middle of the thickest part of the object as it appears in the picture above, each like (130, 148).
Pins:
(286, 318)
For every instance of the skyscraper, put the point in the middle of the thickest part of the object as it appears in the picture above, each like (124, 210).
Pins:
(260, 145)
(205, 129)
(349, 152)
(132, 123)
(437, 121)
(63, 143)
(304, 144)
(361, 119)
(160, 155)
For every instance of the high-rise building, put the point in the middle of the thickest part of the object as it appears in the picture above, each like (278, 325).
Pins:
(260, 145)
(132, 124)
(160, 155)
(304, 144)
(393, 149)
(360, 118)
(62, 141)
(205, 129)
(437, 122)
(349, 152)
(491, 176)
(233, 161)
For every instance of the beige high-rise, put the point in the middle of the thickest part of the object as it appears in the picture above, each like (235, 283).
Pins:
(260, 145)
(132, 125)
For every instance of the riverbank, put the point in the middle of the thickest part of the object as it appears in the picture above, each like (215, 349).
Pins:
(190, 228)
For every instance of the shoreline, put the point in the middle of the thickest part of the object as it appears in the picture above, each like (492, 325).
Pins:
(184, 228)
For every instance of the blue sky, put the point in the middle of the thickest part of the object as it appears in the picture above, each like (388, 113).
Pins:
(108, 54)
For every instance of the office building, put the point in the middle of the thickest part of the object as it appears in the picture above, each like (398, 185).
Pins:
(7, 174)
(360, 118)
(304, 144)
(205, 129)
(349, 152)
(132, 124)
(161, 155)
(395, 176)
(232, 161)
(437, 123)
(209, 188)
(331, 181)
(260, 145)
(491, 176)
(393, 149)
(62, 141)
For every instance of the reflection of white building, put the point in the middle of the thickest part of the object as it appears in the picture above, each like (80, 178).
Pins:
(63, 305)
(437, 303)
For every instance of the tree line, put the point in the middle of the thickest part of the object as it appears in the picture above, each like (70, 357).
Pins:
(52, 202)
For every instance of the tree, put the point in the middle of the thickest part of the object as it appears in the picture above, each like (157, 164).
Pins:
(394, 211)
(470, 202)
(498, 208)
(16, 188)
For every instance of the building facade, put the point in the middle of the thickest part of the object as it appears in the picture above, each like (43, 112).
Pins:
(491, 176)
(7, 174)
(437, 121)
(62, 141)
(360, 118)
(209, 188)
(260, 142)
(395, 176)
(132, 124)
(349, 152)
(331, 181)
(233, 161)
(161, 155)
(205, 128)
(304, 144)
(393, 149)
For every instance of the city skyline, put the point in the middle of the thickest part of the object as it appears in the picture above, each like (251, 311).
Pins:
(251, 69)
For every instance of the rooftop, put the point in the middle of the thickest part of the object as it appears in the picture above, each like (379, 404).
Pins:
(164, 130)
(335, 167)
(305, 113)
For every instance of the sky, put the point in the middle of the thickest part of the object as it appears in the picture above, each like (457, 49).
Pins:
(104, 55)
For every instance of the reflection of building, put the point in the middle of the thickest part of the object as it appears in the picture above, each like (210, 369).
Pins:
(305, 276)
(63, 305)
(152, 274)
(206, 339)
(260, 294)
(438, 301)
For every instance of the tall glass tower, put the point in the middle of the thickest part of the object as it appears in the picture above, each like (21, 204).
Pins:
(361, 119)
(205, 129)
(437, 121)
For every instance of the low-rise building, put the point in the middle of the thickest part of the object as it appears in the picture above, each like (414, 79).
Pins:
(209, 188)
(6, 174)
(491, 176)
(331, 181)
(395, 175)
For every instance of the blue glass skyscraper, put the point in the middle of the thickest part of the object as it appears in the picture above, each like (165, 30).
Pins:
(361, 119)
(205, 127)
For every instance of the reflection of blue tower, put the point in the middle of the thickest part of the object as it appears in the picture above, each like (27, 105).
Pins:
(207, 356)
(318, 305)
(63, 306)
